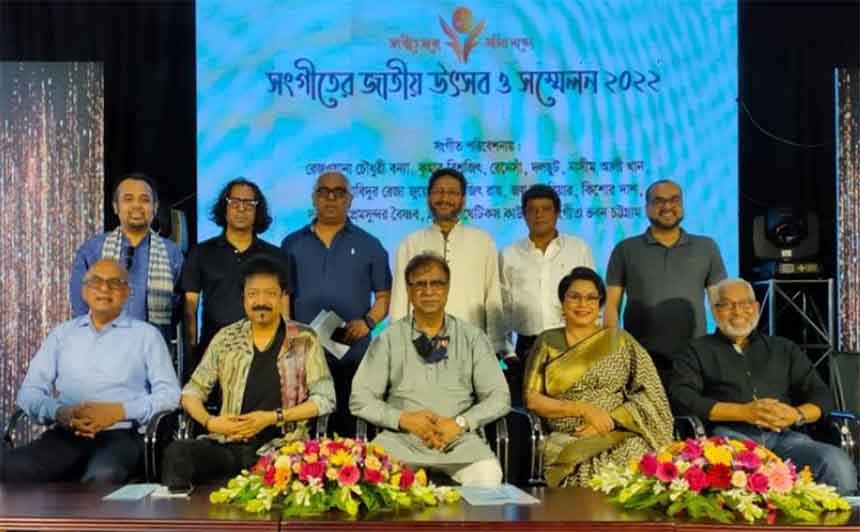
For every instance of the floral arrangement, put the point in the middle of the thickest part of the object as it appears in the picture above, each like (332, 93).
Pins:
(720, 479)
(314, 476)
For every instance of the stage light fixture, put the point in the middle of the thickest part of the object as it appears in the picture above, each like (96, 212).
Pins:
(787, 239)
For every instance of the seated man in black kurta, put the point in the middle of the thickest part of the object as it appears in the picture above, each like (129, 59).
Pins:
(753, 386)
(272, 373)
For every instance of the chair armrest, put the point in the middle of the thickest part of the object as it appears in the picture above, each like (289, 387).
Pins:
(536, 437)
(321, 426)
(842, 426)
(160, 431)
(11, 424)
(689, 427)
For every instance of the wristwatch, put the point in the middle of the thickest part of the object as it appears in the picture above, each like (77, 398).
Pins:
(462, 423)
(369, 322)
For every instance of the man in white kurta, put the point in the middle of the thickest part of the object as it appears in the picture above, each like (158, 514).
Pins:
(432, 380)
(531, 269)
(471, 254)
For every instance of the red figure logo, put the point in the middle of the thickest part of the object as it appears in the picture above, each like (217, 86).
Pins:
(462, 21)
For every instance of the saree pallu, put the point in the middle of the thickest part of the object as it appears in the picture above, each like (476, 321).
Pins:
(611, 370)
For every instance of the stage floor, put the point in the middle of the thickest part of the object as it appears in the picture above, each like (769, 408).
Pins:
(75, 507)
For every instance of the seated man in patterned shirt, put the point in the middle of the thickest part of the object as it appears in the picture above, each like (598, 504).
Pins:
(273, 377)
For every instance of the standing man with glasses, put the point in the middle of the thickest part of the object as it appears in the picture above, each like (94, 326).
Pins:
(475, 294)
(95, 380)
(748, 385)
(664, 273)
(338, 266)
(213, 268)
(154, 264)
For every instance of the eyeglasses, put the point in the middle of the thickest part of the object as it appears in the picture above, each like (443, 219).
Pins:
(97, 283)
(588, 299)
(439, 192)
(434, 285)
(732, 305)
(239, 203)
(267, 293)
(659, 202)
(328, 193)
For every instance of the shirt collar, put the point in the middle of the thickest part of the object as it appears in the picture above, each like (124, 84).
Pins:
(347, 226)
(754, 337)
(558, 241)
(223, 242)
(123, 320)
(683, 240)
(438, 228)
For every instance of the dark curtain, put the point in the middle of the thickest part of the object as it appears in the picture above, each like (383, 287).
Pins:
(148, 53)
(788, 53)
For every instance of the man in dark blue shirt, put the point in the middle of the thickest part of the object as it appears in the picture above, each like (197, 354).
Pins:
(337, 266)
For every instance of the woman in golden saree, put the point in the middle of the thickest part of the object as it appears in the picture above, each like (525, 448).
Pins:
(595, 388)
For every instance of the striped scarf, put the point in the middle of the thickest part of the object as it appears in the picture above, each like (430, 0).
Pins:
(159, 279)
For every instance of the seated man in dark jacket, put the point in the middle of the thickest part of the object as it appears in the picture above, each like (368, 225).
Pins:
(753, 386)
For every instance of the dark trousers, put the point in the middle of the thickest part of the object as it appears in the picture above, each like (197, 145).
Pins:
(189, 462)
(514, 373)
(112, 457)
(341, 422)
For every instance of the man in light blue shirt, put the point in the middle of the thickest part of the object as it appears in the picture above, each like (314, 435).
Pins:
(96, 378)
(154, 263)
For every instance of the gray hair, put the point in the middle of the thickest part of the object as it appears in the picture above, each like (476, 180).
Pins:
(722, 285)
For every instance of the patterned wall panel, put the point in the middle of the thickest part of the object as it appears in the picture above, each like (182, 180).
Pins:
(51, 198)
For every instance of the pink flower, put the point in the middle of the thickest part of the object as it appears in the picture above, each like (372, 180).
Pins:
(261, 465)
(748, 460)
(750, 445)
(648, 465)
(372, 476)
(312, 447)
(311, 470)
(692, 450)
(407, 477)
(696, 478)
(348, 475)
(779, 477)
(667, 472)
(269, 476)
(757, 482)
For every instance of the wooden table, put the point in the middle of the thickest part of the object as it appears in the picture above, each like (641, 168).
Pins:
(76, 507)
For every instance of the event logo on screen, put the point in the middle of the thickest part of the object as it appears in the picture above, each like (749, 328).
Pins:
(463, 24)
(463, 37)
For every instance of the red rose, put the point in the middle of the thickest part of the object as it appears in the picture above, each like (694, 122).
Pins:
(648, 465)
(667, 472)
(372, 476)
(719, 476)
(696, 478)
(407, 477)
(750, 445)
(757, 482)
(311, 470)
